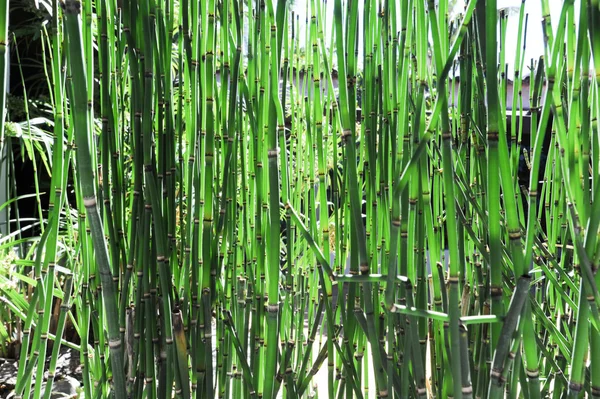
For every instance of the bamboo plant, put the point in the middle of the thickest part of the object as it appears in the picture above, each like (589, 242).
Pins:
(271, 207)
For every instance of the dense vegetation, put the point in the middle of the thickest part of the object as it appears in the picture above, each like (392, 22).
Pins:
(236, 202)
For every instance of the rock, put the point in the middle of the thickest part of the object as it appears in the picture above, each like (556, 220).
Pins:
(66, 384)
(8, 374)
(65, 388)
(68, 362)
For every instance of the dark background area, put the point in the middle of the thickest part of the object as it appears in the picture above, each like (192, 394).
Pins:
(27, 80)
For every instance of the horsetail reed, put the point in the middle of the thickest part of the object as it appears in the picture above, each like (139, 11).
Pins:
(3, 64)
(269, 206)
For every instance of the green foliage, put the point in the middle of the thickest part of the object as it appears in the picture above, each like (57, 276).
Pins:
(243, 222)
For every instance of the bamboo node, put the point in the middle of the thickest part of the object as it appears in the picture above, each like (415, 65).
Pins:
(272, 308)
(575, 386)
(492, 136)
(496, 373)
(89, 202)
(364, 268)
(514, 235)
(72, 6)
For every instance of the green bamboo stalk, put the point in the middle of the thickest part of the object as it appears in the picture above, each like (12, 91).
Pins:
(64, 309)
(72, 9)
(508, 327)
(4, 65)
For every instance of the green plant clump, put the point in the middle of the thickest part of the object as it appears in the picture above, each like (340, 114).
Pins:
(240, 199)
